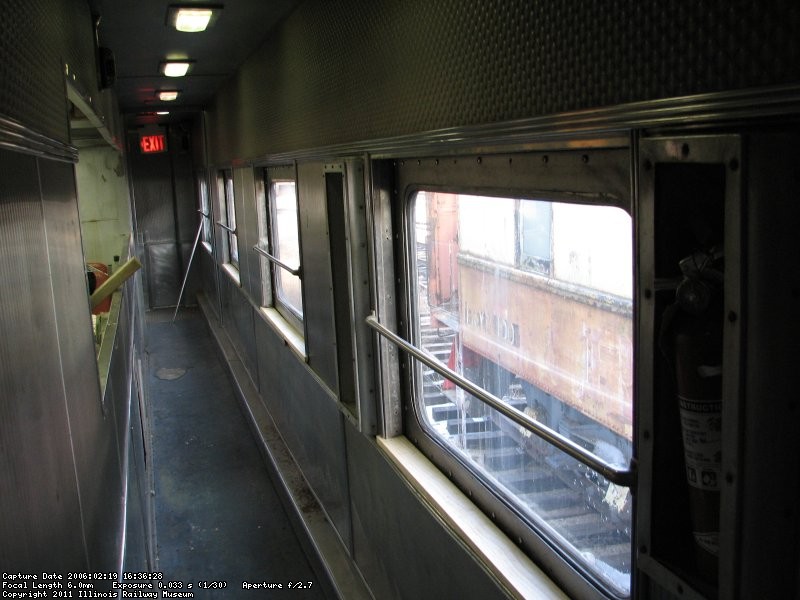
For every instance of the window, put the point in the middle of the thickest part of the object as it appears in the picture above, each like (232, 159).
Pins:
(205, 210)
(228, 213)
(535, 236)
(279, 246)
(530, 300)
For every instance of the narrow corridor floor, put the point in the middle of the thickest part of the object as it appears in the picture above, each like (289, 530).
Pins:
(218, 518)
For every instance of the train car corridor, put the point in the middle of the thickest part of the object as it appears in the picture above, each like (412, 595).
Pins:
(217, 516)
(476, 300)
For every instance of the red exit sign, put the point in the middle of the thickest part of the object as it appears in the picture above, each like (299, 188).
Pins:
(150, 144)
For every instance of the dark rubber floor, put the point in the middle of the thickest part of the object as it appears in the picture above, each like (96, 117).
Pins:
(218, 518)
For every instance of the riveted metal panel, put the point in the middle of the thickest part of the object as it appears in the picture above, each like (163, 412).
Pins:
(685, 182)
(602, 172)
(317, 279)
(360, 70)
(40, 525)
(364, 363)
(310, 422)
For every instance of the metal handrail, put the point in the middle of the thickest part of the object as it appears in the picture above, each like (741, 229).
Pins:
(278, 262)
(623, 477)
(221, 224)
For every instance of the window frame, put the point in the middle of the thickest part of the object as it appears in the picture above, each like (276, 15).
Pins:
(528, 261)
(272, 266)
(586, 187)
(205, 210)
(227, 202)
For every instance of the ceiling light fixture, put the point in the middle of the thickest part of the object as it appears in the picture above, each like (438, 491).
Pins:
(192, 18)
(168, 95)
(175, 68)
(162, 112)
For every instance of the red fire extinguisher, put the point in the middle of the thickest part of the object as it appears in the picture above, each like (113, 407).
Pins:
(694, 328)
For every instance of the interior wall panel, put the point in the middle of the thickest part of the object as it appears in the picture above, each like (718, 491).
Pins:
(60, 479)
(422, 560)
(94, 437)
(137, 530)
(359, 69)
(193, 282)
(186, 205)
(316, 262)
(247, 226)
(37, 474)
(208, 269)
(184, 183)
(237, 318)
(163, 274)
(310, 422)
(161, 219)
(769, 437)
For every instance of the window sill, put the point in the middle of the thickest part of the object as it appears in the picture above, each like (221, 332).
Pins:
(233, 273)
(503, 559)
(108, 342)
(286, 332)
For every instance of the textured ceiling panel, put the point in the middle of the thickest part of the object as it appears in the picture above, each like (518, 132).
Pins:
(359, 69)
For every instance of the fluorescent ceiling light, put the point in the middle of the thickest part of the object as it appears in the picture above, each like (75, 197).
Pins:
(175, 68)
(168, 96)
(192, 18)
(162, 112)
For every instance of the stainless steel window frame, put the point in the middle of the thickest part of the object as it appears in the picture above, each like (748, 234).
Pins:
(598, 172)
(227, 209)
(271, 293)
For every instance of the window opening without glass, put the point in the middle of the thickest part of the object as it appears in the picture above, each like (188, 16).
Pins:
(529, 304)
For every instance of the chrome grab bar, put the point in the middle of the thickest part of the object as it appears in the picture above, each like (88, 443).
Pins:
(233, 231)
(277, 261)
(623, 477)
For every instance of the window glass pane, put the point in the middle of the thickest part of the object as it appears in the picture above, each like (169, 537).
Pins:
(286, 245)
(205, 208)
(230, 212)
(536, 225)
(532, 301)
